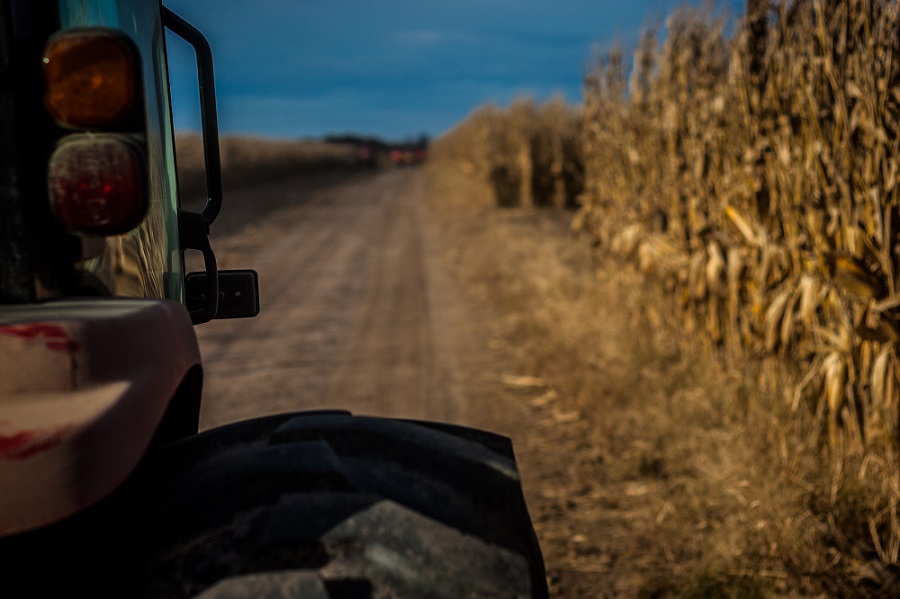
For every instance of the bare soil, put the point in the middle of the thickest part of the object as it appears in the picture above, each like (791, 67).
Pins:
(353, 312)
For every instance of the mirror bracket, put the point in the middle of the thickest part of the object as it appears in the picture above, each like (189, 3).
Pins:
(238, 292)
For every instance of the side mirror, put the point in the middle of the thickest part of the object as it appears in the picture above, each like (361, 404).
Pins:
(238, 293)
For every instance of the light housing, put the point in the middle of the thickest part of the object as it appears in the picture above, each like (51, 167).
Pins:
(98, 184)
(91, 78)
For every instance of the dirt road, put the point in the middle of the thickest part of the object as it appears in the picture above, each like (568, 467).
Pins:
(355, 310)
(379, 300)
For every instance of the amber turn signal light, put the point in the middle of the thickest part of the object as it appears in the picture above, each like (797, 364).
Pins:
(91, 78)
(97, 184)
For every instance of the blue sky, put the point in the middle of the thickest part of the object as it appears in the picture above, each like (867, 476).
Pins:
(395, 69)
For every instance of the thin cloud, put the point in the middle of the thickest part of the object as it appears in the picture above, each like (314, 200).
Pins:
(419, 37)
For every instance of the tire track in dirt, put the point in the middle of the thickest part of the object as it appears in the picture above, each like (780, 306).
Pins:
(347, 318)
(284, 256)
(382, 365)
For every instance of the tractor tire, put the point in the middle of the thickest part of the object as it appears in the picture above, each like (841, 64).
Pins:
(314, 505)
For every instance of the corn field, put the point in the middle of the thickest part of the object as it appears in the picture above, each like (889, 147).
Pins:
(757, 179)
(530, 154)
(252, 160)
(752, 177)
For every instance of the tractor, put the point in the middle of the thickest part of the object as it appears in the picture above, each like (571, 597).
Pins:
(107, 487)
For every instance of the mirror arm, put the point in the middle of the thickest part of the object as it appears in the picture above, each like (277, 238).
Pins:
(192, 229)
(208, 116)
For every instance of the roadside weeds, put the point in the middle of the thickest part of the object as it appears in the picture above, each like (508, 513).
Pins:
(650, 469)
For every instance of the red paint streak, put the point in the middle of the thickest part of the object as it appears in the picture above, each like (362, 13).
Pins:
(26, 444)
(57, 338)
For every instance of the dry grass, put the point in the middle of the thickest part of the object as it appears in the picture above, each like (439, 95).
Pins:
(639, 481)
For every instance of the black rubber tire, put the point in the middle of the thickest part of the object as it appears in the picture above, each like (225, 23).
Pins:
(316, 505)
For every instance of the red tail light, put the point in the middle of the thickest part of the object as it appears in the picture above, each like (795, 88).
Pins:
(97, 184)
